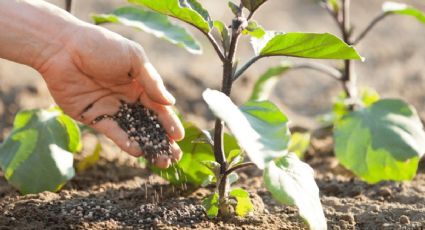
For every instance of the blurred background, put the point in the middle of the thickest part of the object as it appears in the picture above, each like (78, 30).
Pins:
(394, 51)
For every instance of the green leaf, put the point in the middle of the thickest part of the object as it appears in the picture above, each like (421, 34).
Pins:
(190, 169)
(299, 144)
(263, 87)
(382, 142)
(210, 205)
(91, 159)
(291, 182)
(259, 43)
(234, 8)
(309, 45)
(334, 5)
(224, 32)
(153, 23)
(259, 126)
(189, 11)
(232, 178)
(252, 5)
(37, 156)
(368, 96)
(235, 157)
(244, 204)
(254, 30)
(403, 9)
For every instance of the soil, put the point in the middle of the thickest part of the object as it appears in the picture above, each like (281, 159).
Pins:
(119, 193)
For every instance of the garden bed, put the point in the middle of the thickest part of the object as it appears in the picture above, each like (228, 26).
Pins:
(118, 193)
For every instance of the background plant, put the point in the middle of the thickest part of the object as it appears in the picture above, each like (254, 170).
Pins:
(377, 139)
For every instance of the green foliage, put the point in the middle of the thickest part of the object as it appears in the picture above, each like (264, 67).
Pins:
(153, 23)
(260, 128)
(403, 9)
(367, 97)
(190, 169)
(252, 5)
(91, 159)
(198, 156)
(224, 34)
(234, 8)
(211, 205)
(291, 182)
(381, 142)
(334, 5)
(189, 11)
(263, 87)
(37, 156)
(254, 30)
(299, 143)
(304, 45)
(244, 204)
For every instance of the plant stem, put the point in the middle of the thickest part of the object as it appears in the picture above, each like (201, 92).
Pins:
(226, 87)
(369, 27)
(68, 5)
(239, 166)
(349, 79)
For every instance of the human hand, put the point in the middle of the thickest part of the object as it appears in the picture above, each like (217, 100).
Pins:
(94, 71)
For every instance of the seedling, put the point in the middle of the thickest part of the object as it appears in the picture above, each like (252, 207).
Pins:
(377, 139)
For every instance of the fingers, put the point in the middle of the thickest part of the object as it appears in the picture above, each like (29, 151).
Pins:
(111, 129)
(149, 78)
(166, 116)
(109, 106)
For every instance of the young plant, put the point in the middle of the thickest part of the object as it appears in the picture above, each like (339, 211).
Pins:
(377, 139)
(258, 127)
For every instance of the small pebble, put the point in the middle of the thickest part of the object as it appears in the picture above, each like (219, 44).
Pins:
(404, 219)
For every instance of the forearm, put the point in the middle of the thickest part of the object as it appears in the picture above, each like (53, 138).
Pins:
(31, 31)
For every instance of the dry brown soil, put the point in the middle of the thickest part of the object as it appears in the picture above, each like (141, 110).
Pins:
(118, 193)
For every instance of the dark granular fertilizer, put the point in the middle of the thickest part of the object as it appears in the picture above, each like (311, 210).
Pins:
(142, 125)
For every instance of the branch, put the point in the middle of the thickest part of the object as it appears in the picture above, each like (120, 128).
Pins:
(215, 45)
(328, 70)
(239, 166)
(245, 67)
(68, 5)
(369, 27)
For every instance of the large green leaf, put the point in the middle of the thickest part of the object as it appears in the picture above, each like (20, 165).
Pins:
(189, 11)
(153, 23)
(37, 156)
(382, 142)
(259, 126)
(190, 169)
(403, 9)
(252, 5)
(291, 182)
(265, 84)
(244, 204)
(305, 45)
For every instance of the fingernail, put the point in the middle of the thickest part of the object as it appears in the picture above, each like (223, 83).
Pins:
(170, 98)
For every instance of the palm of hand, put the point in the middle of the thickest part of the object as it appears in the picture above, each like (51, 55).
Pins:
(104, 71)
